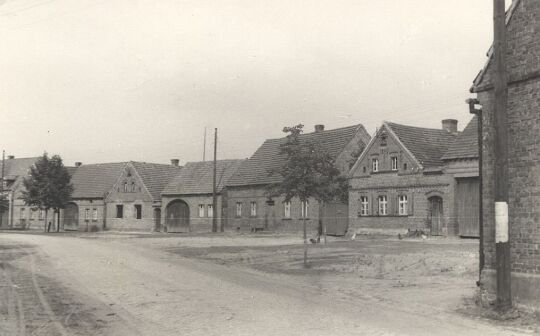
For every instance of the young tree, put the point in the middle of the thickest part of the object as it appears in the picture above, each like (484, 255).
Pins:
(48, 186)
(309, 171)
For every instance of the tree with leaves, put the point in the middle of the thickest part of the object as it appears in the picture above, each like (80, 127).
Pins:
(48, 186)
(309, 171)
(4, 206)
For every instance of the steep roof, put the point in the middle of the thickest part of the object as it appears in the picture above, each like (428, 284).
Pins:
(17, 167)
(466, 144)
(95, 180)
(481, 75)
(197, 177)
(427, 145)
(256, 170)
(156, 176)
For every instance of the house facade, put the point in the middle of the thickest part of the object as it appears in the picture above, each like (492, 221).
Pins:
(188, 202)
(399, 181)
(523, 112)
(249, 208)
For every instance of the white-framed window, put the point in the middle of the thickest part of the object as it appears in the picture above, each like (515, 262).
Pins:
(253, 209)
(238, 209)
(394, 163)
(132, 186)
(201, 210)
(40, 214)
(210, 210)
(402, 201)
(32, 211)
(94, 215)
(86, 214)
(375, 164)
(364, 206)
(23, 213)
(287, 209)
(304, 208)
(383, 205)
(125, 187)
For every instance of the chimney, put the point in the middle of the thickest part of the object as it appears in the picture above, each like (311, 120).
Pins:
(175, 162)
(319, 128)
(450, 125)
(11, 157)
(78, 164)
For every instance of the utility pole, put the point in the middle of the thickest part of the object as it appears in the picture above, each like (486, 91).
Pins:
(3, 171)
(204, 146)
(502, 246)
(214, 187)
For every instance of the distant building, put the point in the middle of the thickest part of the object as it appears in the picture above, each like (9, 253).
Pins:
(118, 196)
(399, 182)
(187, 199)
(19, 215)
(248, 205)
(523, 110)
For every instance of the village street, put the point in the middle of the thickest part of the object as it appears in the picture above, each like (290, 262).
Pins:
(109, 284)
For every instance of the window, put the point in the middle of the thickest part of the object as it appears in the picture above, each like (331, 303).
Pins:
(402, 201)
(40, 214)
(375, 165)
(125, 187)
(4, 184)
(287, 209)
(138, 211)
(405, 166)
(132, 186)
(119, 211)
(94, 215)
(201, 210)
(23, 213)
(253, 209)
(238, 209)
(383, 204)
(364, 170)
(32, 211)
(210, 210)
(306, 208)
(394, 163)
(86, 214)
(364, 206)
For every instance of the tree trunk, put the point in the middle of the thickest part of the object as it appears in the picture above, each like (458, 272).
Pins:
(304, 205)
(58, 220)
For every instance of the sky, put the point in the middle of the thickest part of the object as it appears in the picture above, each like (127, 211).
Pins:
(120, 80)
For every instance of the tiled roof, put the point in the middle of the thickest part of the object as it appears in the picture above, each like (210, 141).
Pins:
(256, 170)
(427, 145)
(95, 180)
(466, 144)
(156, 176)
(197, 177)
(17, 167)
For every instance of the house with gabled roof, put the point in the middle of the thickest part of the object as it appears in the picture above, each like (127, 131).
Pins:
(523, 114)
(248, 205)
(188, 201)
(399, 181)
(19, 215)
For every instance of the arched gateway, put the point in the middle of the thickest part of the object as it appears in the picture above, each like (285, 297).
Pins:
(177, 216)
(71, 217)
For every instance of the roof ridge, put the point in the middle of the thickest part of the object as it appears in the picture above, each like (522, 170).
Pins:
(324, 131)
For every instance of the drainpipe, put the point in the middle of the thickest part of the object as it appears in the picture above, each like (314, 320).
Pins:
(478, 112)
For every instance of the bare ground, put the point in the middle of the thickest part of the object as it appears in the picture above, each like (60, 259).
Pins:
(137, 284)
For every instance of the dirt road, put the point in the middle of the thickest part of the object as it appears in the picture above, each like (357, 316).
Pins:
(54, 285)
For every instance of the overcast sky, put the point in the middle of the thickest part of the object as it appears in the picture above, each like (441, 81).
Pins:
(119, 80)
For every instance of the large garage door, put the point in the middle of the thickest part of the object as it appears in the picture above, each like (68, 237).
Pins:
(177, 216)
(468, 206)
(336, 218)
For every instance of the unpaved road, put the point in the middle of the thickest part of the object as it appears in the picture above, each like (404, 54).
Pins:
(53, 285)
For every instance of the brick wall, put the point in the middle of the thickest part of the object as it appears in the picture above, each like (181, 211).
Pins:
(196, 223)
(129, 221)
(268, 216)
(523, 111)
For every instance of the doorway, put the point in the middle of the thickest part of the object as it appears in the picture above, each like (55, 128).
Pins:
(435, 215)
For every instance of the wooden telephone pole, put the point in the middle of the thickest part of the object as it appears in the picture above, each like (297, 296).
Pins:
(214, 186)
(504, 297)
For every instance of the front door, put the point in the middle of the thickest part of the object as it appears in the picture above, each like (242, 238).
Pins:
(436, 215)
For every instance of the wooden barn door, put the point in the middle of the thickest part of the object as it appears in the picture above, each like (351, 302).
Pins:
(467, 200)
(177, 216)
(71, 217)
(336, 218)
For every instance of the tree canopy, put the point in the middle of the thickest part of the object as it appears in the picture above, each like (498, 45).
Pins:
(48, 185)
